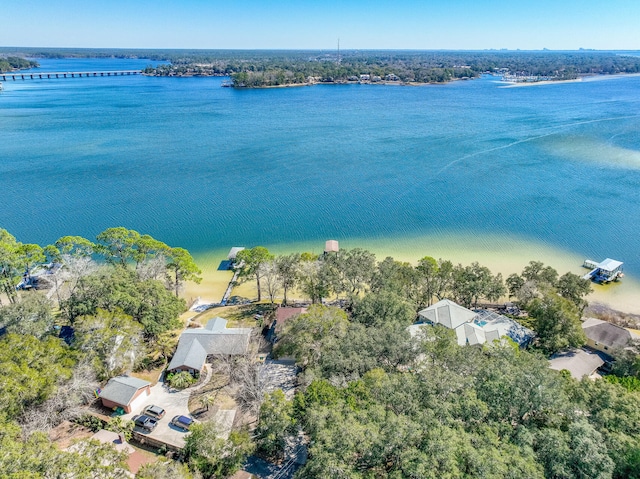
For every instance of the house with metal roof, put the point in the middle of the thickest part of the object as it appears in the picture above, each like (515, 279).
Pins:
(474, 327)
(196, 345)
(125, 392)
(607, 337)
(605, 271)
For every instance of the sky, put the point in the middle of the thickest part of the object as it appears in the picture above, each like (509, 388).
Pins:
(311, 24)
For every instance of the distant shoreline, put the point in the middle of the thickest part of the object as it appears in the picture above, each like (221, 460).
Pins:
(584, 78)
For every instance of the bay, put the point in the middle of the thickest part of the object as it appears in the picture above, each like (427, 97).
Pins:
(467, 170)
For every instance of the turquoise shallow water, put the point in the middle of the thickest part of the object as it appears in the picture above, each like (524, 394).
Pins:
(206, 167)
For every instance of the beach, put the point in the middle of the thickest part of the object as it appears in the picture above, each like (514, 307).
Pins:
(501, 255)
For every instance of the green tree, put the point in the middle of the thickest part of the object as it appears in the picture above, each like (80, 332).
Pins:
(183, 268)
(121, 426)
(275, 423)
(537, 272)
(574, 288)
(31, 315)
(32, 369)
(353, 270)
(113, 289)
(117, 245)
(10, 264)
(146, 247)
(213, 456)
(250, 261)
(36, 457)
(74, 245)
(428, 270)
(113, 340)
(375, 309)
(288, 269)
(475, 282)
(397, 278)
(315, 279)
(306, 336)
(164, 469)
(557, 323)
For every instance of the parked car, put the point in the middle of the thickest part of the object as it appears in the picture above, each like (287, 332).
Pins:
(182, 422)
(145, 422)
(154, 411)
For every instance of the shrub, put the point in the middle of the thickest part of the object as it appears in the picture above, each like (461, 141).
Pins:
(181, 380)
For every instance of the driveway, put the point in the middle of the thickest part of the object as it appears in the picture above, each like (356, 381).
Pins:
(176, 403)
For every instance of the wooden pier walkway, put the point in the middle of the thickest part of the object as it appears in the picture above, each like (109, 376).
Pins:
(53, 75)
(232, 283)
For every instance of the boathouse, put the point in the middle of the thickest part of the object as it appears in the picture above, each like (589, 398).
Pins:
(604, 272)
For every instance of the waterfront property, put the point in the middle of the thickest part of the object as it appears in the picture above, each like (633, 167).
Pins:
(196, 345)
(607, 337)
(473, 327)
(346, 190)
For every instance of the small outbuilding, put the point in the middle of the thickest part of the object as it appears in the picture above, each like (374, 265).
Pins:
(125, 392)
(331, 246)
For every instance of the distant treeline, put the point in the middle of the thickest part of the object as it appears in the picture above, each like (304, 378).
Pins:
(9, 64)
(260, 69)
(257, 68)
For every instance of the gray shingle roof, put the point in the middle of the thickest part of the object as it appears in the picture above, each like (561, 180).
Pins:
(121, 389)
(214, 339)
(606, 333)
(190, 354)
(578, 362)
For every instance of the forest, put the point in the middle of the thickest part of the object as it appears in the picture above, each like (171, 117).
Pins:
(9, 64)
(372, 401)
(260, 68)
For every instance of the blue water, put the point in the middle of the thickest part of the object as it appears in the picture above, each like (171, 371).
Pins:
(205, 167)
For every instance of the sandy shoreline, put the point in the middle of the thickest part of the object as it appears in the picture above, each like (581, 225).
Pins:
(501, 255)
(585, 78)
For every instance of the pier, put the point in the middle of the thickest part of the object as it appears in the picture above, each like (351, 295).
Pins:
(604, 272)
(53, 75)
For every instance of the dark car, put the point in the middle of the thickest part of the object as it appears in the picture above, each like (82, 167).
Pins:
(182, 422)
(145, 422)
(154, 411)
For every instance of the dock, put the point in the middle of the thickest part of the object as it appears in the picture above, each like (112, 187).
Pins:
(232, 283)
(231, 257)
(604, 272)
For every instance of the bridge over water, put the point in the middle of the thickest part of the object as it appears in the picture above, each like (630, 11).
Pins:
(49, 75)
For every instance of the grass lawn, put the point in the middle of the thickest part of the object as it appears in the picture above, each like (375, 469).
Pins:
(151, 375)
(217, 388)
(240, 316)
